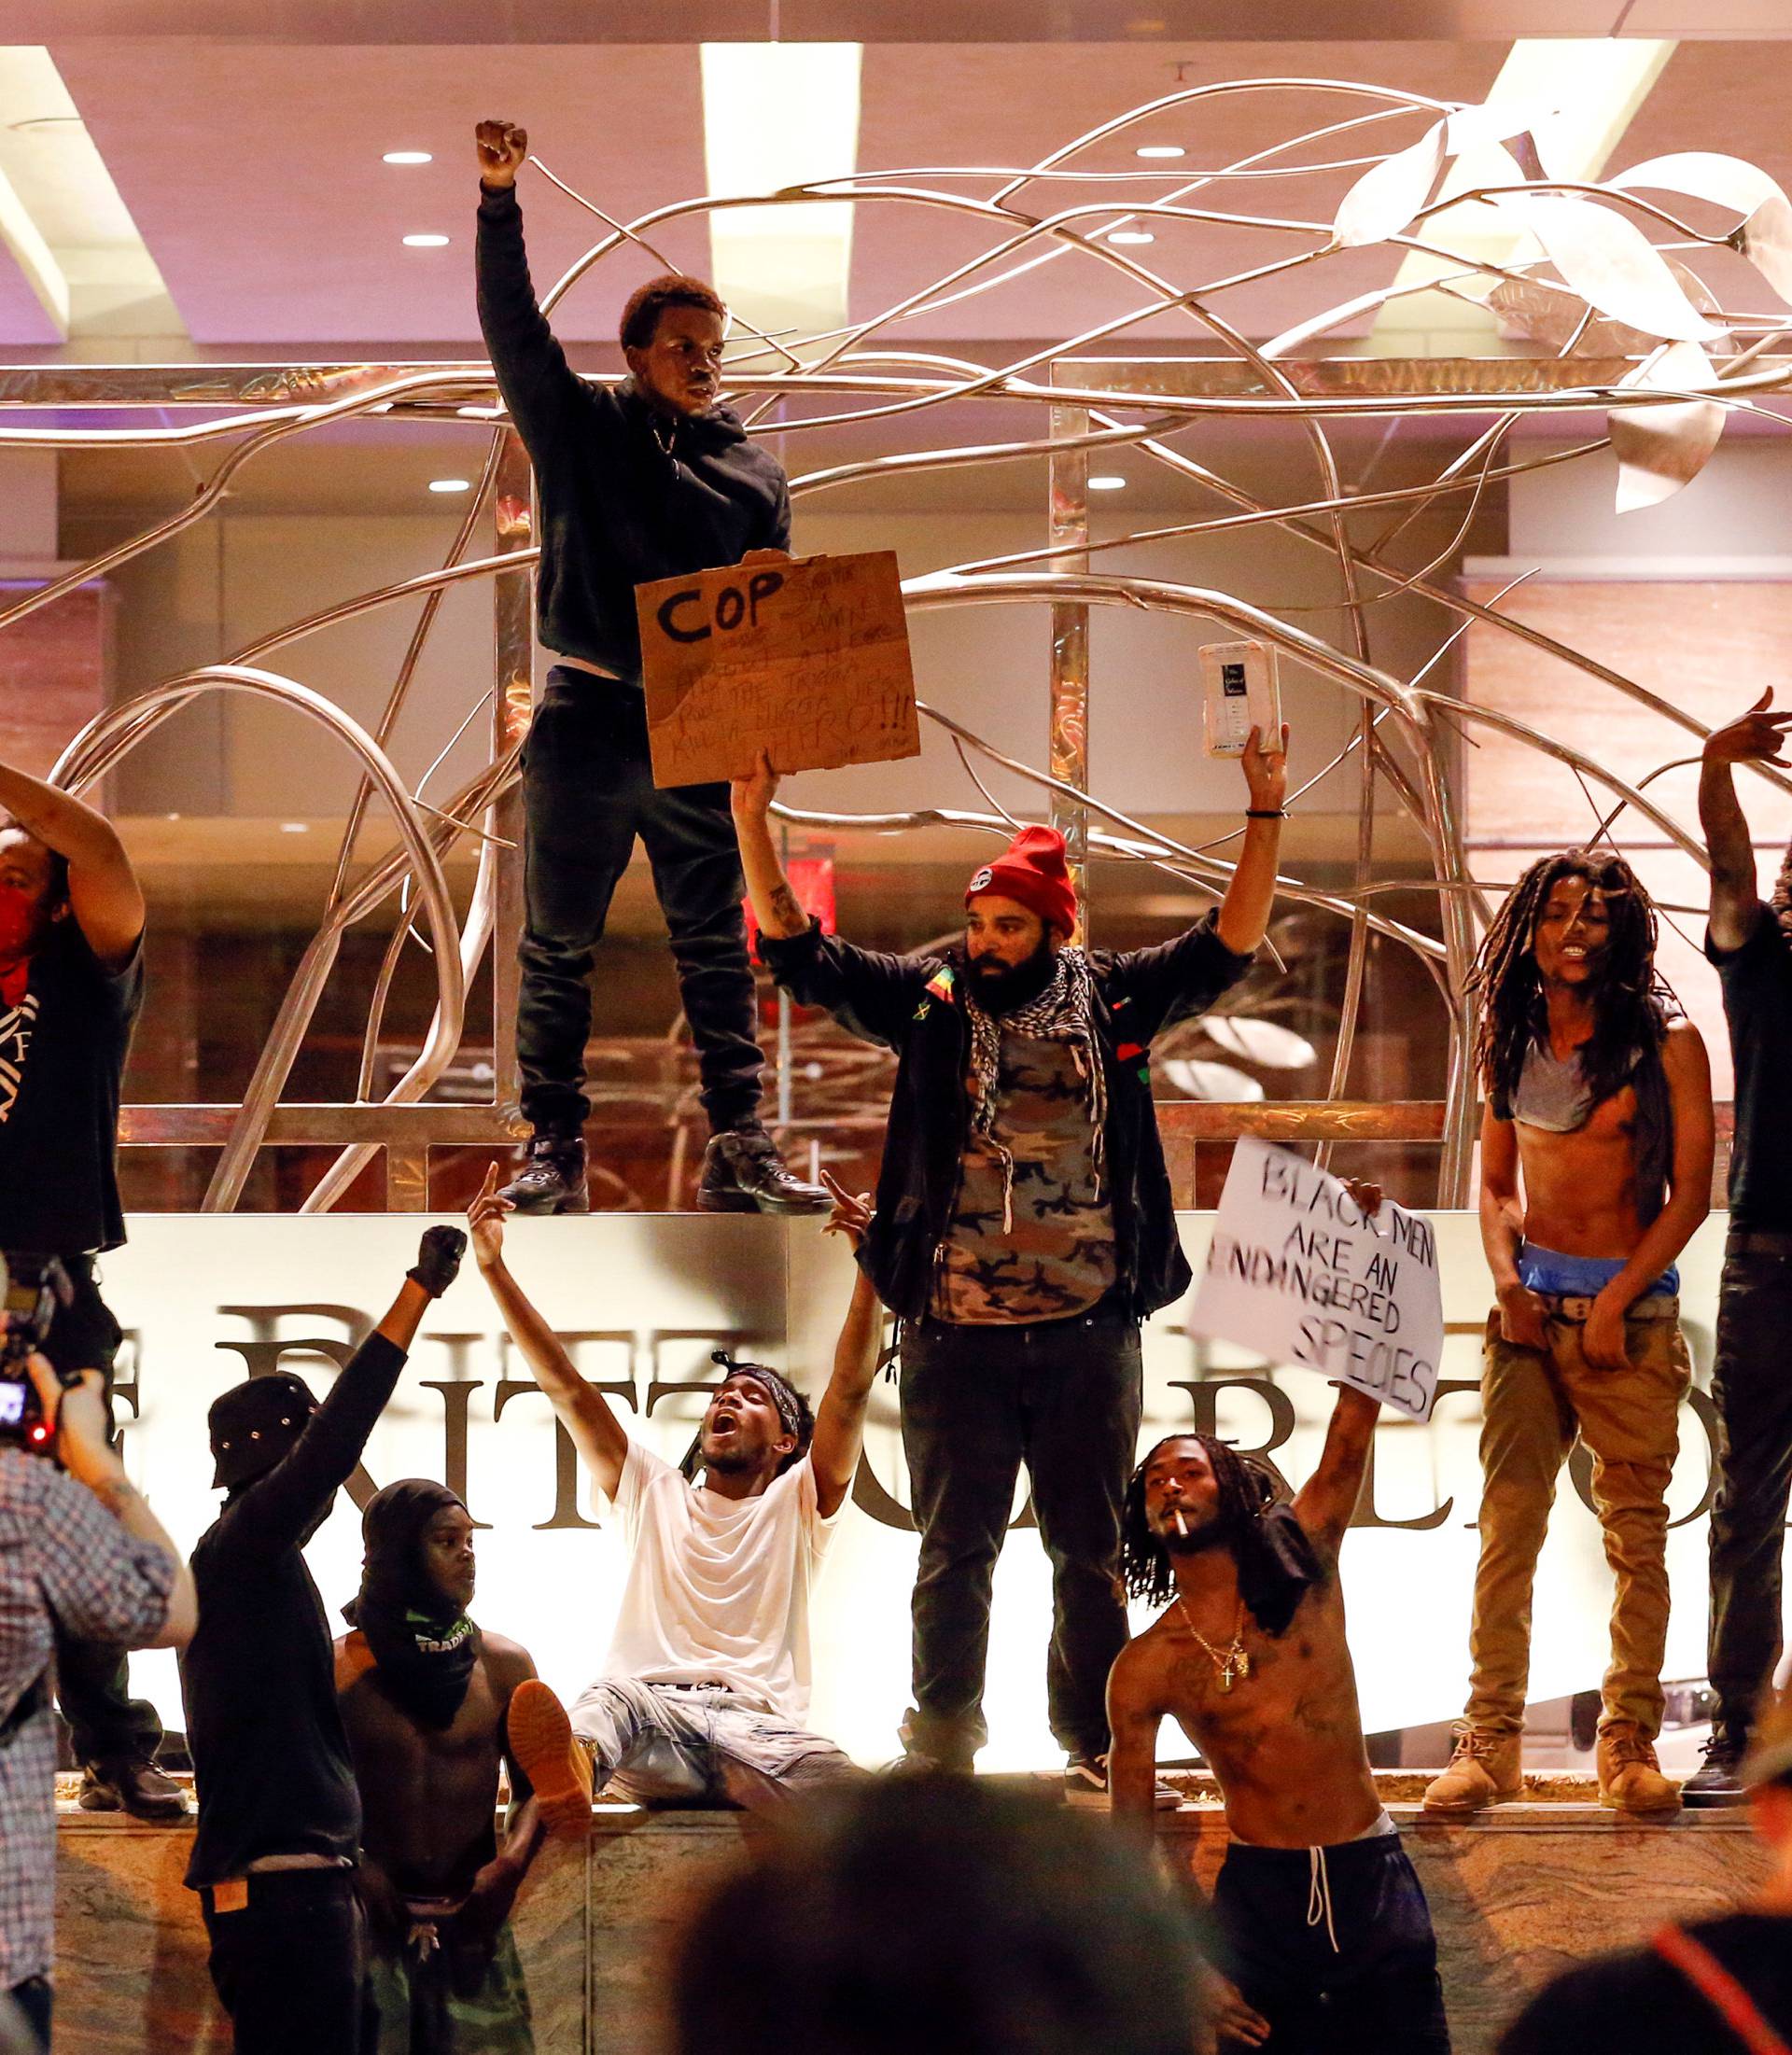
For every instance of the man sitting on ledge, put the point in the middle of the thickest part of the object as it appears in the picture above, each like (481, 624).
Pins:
(707, 1686)
(1325, 1922)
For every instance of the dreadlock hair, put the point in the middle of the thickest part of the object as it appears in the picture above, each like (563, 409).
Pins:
(1782, 901)
(1630, 1004)
(640, 320)
(793, 1409)
(1272, 1580)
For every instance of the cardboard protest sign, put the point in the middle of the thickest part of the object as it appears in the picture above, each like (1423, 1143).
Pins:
(1296, 1272)
(805, 658)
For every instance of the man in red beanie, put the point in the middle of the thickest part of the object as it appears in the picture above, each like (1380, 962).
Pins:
(1023, 1231)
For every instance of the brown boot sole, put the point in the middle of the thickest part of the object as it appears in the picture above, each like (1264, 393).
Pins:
(1467, 1811)
(1640, 1812)
(557, 1768)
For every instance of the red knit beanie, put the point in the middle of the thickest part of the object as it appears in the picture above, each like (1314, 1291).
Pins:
(1032, 871)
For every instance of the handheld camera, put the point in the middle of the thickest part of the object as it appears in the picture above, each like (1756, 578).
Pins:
(1239, 692)
(30, 1289)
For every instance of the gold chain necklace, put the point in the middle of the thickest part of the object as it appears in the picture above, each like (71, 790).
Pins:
(1232, 1662)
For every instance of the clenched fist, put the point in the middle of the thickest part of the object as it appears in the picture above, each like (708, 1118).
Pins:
(502, 147)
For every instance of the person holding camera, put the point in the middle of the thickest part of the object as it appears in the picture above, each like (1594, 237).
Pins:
(71, 982)
(81, 1555)
(279, 1813)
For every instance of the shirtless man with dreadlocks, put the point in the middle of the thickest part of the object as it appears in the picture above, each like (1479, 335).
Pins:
(1326, 1929)
(1596, 1154)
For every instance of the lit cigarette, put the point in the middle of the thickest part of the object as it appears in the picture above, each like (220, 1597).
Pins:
(1181, 1525)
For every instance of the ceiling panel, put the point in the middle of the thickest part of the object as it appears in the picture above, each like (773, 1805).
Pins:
(23, 318)
(1014, 106)
(253, 175)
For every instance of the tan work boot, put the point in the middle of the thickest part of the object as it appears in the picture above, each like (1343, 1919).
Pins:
(1629, 1777)
(1486, 1769)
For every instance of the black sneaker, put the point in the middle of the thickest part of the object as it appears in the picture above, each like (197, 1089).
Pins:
(1719, 1781)
(134, 1786)
(1086, 1782)
(552, 1176)
(743, 1173)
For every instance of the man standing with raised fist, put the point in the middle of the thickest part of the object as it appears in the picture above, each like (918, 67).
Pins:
(650, 479)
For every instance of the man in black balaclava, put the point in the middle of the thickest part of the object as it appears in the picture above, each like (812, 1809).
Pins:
(424, 1693)
(279, 1819)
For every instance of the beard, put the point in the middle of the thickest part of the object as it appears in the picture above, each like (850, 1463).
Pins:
(1000, 987)
(1213, 1532)
(729, 1462)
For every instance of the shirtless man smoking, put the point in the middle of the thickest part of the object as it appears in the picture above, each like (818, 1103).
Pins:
(1596, 1154)
(1327, 1934)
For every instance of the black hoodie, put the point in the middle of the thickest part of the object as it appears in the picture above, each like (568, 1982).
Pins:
(617, 508)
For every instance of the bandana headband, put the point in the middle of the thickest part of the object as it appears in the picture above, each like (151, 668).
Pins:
(780, 1393)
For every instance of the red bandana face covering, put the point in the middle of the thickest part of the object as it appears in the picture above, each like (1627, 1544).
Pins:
(19, 914)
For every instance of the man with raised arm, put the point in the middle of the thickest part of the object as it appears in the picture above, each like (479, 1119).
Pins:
(1596, 1154)
(1751, 944)
(424, 1695)
(705, 1689)
(1329, 1944)
(1024, 1230)
(279, 1815)
(71, 983)
(70, 987)
(650, 479)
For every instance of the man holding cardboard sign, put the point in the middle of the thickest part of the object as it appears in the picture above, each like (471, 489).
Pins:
(647, 481)
(1596, 1153)
(1023, 1230)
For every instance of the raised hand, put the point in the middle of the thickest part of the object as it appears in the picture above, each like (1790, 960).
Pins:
(751, 797)
(1266, 771)
(1756, 736)
(485, 1217)
(502, 147)
(438, 1263)
(851, 1214)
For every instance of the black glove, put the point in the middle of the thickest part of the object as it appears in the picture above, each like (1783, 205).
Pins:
(438, 1263)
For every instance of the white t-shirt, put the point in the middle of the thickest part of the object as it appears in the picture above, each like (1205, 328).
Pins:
(717, 1588)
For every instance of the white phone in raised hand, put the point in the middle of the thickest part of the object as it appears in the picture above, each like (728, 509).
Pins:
(1239, 692)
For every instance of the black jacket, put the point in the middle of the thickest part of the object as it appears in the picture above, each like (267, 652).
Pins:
(270, 1761)
(911, 1004)
(618, 509)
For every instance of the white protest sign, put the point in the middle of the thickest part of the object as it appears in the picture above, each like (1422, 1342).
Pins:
(1298, 1273)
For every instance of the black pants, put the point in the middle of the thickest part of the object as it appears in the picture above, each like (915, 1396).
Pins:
(588, 792)
(1340, 1960)
(33, 1998)
(1751, 1386)
(92, 1680)
(291, 1966)
(1064, 1397)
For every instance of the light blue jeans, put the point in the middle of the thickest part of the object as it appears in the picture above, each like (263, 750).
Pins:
(699, 1745)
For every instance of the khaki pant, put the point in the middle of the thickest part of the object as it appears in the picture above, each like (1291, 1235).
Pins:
(1534, 1404)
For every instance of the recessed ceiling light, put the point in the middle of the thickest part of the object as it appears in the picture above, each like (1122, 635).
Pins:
(1124, 235)
(295, 827)
(448, 484)
(1106, 482)
(424, 157)
(426, 242)
(1144, 149)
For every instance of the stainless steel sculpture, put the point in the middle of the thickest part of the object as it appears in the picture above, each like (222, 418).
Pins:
(1605, 282)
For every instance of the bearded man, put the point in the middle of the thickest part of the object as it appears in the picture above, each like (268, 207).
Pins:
(1023, 1230)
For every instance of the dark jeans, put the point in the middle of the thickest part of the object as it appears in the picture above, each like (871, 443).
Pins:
(291, 1966)
(1361, 1977)
(1064, 1397)
(1751, 1388)
(33, 1998)
(92, 1680)
(588, 792)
